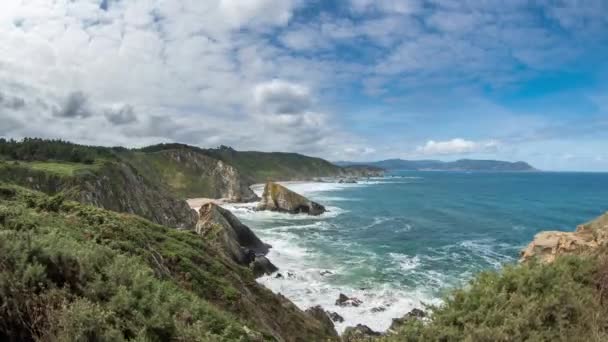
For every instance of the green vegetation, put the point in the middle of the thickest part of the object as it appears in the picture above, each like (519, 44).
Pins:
(259, 167)
(562, 301)
(184, 180)
(71, 272)
(30, 149)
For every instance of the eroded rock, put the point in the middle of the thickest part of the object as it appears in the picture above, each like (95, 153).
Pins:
(322, 316)
(359, 333)
(547, 245)
(221, 227)
(344, 300)
(278, 198)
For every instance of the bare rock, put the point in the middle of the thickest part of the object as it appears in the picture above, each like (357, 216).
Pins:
(359, 333)
(322, 316)
(278, 198)
(547, 245)
(222, 228)
(344, 300)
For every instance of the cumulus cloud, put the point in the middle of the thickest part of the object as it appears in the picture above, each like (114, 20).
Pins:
(282, 97)
(457, 146)
(221, 71)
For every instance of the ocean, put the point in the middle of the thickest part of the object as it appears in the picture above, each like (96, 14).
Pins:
(403, 241)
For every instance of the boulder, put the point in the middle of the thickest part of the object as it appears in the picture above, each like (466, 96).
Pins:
(359, 333)
(547, 245)
(344, 300)
(278, 198)
(262, 266)
(412, 315)
(321, 315)
(335, 317)
(221, 227)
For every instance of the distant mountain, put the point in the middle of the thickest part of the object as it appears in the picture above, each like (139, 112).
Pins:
(437, 165)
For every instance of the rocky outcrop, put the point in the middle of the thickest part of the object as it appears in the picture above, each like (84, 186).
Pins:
(322, 316)
(359, 333)
(278, 198)
(546, 246)
(221, 227)
(344, 300)
(415, 314)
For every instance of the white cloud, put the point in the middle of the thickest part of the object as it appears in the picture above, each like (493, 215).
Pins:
(457, 146)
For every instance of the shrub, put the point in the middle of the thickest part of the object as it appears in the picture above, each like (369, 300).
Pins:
(531, 302)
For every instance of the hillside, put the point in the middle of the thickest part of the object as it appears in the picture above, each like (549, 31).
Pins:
(259, 167)
(437, 165)
(73, 272)
(154, 181)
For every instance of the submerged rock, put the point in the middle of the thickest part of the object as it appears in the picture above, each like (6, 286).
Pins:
(323, 317)
(344, 300)
(359, 333)
(546, 246)
(278, 198)
(220, 226)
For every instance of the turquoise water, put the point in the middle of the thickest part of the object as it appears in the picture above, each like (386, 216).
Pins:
(403, 240)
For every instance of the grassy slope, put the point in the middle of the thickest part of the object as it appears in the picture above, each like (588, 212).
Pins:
(181, 180)
(69, 271)
(258, 167)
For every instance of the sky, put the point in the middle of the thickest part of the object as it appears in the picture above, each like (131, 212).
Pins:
(343, 80)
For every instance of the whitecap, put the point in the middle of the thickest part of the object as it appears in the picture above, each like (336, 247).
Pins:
(405, 262)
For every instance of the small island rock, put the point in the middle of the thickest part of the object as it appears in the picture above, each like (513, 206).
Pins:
(278, 198)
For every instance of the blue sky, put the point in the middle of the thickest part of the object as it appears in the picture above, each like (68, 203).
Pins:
(343, 80)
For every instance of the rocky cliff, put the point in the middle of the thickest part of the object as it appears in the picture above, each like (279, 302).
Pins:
(587, 237)
(278, 198)
(114, 186)
(188, 173)
(221, 228)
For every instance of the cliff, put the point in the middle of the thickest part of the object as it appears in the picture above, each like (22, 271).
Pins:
(188, 173)
(70, 271)
(586, 239)
(111, 185)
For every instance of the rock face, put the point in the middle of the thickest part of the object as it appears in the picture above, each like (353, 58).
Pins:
(322, 316)
(278, 198)
(359, 333)
(115, 186)
(221, 227)
(212, 178)
(546, 246)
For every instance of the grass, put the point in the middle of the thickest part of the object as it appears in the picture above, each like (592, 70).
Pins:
(62, 168)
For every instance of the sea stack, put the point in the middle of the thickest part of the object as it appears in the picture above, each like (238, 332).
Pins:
(278, 198)
(235, 239)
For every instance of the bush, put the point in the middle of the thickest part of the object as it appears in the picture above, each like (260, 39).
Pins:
(531, 302)
(83, 274)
